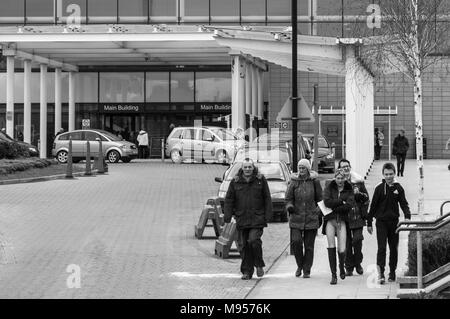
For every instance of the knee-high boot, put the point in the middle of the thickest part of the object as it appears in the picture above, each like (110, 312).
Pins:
(342, 265)
(332, 260)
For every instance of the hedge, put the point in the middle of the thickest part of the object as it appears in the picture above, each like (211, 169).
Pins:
(12, 150)
(435, 250)
(12, 166)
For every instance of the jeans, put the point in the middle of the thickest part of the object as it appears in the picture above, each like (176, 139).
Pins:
(354, 255)
(386, 234)
(302, 242)
(142, 151)
(377, 152)
(400, 163)
(250, 245)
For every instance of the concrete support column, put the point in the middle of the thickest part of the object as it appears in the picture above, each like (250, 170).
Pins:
(71, 101)
(27, 101)
(359, 102)
(254, 91)
(260, 94)
(57, 99)
(10, 95)
(237, 93)
(43, 113)
(248, 88)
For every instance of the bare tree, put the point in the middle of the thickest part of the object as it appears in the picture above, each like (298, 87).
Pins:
(413, 36)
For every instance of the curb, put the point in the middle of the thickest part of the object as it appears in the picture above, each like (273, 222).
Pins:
(43, 178)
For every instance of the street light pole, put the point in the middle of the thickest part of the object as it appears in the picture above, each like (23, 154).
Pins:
(294, 85)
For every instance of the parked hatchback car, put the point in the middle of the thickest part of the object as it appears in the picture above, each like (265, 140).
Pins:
(32, 150)
(326, 155)
(278, 176)
(114, 148)
(207, 143)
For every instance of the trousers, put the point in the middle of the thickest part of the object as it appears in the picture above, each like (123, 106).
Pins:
(250, 244)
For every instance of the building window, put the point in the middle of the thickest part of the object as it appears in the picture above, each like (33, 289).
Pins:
(163, 11)
(12, 11)
(199, 8)
(102, 11)
(70, 9)
(86, 88)
(213, 87)
(279, 8)
(133, 11)
(39, 11)
(225, 11)
(182, 87)
(157, 87)
(121, 87)
(253, 10)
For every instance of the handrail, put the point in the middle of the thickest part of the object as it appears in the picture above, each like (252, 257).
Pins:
(423, 228)
(420, 222)
(442, 206)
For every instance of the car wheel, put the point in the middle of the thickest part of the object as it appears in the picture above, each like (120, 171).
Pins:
(113, 156)
(62, 157)
(126, 160)
(222, 157)
(175, 156)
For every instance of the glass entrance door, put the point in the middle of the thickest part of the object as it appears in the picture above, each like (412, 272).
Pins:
(125, 124)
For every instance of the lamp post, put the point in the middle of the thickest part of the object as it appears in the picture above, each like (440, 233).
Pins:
(294, 84)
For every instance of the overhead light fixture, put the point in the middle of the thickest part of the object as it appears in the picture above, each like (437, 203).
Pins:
(277, 36)
(20, 30)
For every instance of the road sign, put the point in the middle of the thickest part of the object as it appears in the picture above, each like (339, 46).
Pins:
(86, 123)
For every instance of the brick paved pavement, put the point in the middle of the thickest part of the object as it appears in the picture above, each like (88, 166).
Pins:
(131, 232)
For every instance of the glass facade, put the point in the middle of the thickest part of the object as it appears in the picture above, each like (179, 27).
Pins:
(213, 86)
(182, 87)
(122, 87)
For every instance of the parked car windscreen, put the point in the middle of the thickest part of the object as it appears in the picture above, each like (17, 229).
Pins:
(6, 137)
(224, 134)
(272, 171)
(110, 135)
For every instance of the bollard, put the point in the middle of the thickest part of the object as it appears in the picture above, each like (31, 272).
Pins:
(162, 149)
(101, 160)
(88, 171)
(215, 202)
(226, 239)
(208, 213)
(69, 169)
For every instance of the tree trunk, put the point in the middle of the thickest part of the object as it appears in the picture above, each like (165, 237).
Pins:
(419, 137)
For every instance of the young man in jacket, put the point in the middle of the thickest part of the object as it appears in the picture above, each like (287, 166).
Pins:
(356, 220)
(248, 199)
(388, 195)
(399, 149)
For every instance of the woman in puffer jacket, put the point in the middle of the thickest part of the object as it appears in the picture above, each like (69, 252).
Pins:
(302, 195)
(339, 197)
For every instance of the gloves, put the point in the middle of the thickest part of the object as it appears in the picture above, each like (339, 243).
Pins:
(291, 210)
(360, 197)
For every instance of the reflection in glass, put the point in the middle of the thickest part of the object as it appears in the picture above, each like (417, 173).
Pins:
(133, 8)
(86, 87)
(102, 8)
(196, 7)
(225, 8)
(165, 8)
(11, 8)
(38, 8)
(253, 8)
(121, 87)
(182, 87)
(157, 86)
(279, 7)
(213, 87)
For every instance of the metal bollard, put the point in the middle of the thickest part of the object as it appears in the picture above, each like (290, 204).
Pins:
(88, 171)
(69, 169)
(101, 167)
(162, 149)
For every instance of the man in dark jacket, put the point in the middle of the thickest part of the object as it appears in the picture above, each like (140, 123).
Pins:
(248, 199)
(386, 199)
(356, 220)
(399, 149)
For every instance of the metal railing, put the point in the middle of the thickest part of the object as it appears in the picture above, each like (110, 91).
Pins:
(420, 226)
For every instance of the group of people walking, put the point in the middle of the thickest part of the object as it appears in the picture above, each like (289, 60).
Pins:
(341, 208)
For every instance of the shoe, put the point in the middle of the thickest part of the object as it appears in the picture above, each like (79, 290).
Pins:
(332, 261)
(333, 279)
(359, 269)
(381, 279)
(341, 265)
(298, 273)
(391, 277)
(306, 275)
(402, 174)
(349, 272)
(246, 277)
(259, 271)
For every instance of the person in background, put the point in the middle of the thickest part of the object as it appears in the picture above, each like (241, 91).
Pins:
(248, 199)
(339, 197)
(384, 207)
(142, 140)
(61, 130)
(379, 137)
(399, 149)
(356, 220)
(302, 195)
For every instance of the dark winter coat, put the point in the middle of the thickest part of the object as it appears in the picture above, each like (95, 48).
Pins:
(401, 145)
(385, 202)
(249, 202)
(302, 196)
(357, 216)
(335, 200)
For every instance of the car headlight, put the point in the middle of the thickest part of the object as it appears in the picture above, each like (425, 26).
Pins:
(222, 194)
(330, 156)
(32, 149)
(124, 146)
(279, 195)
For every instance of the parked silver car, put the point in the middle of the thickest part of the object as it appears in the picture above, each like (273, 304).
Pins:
(207, 143)
(114, 148)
